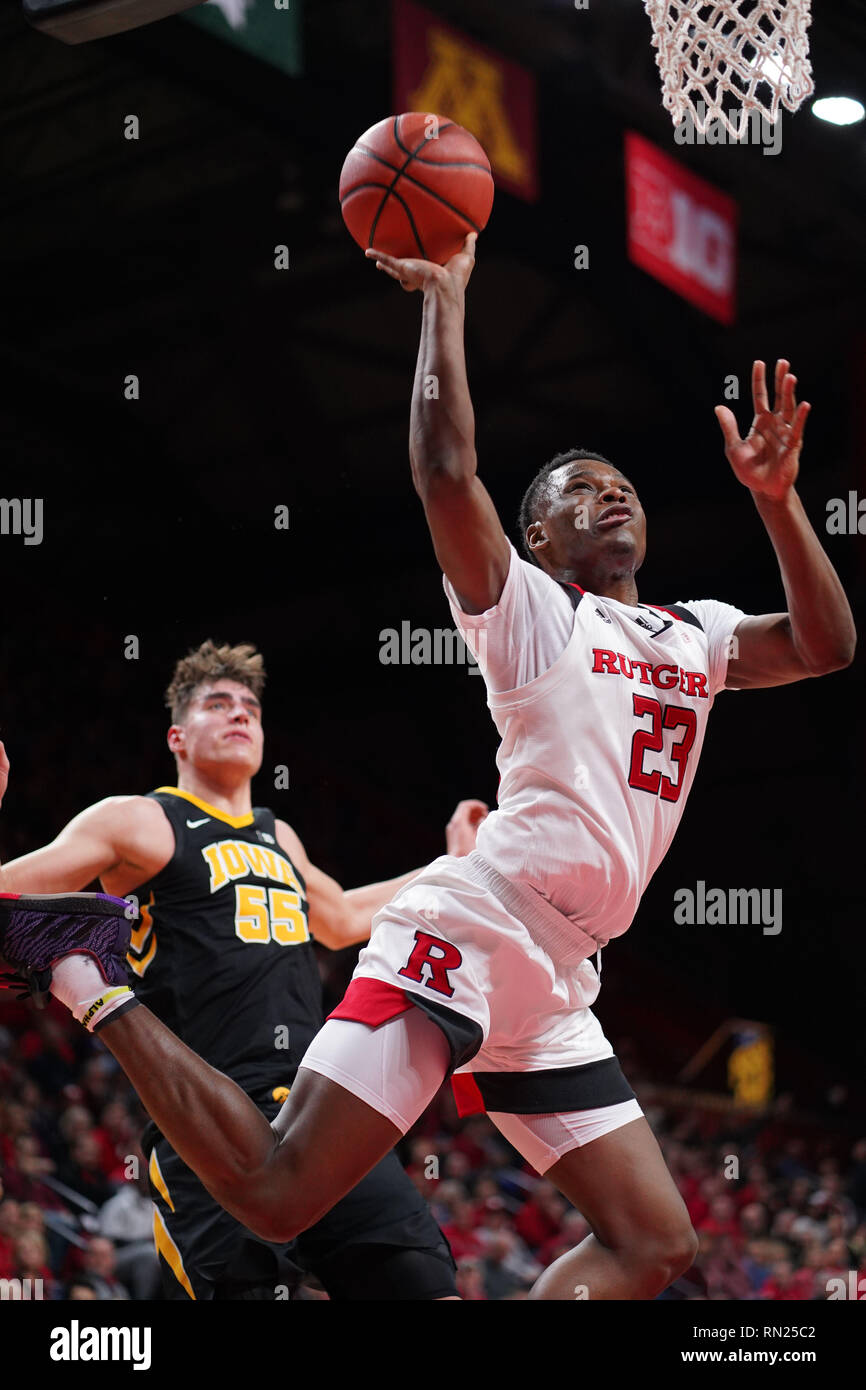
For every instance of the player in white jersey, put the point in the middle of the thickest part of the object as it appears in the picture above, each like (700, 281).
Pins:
(484, 965)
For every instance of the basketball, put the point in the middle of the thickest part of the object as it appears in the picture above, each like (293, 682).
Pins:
(415, 185)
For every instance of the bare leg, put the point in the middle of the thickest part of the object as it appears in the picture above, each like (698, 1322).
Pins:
(642, 1236)
(275, 1180)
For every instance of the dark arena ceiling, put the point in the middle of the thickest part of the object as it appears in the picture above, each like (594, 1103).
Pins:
(160, 250)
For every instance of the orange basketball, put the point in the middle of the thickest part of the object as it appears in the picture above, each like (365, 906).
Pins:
(414, 185)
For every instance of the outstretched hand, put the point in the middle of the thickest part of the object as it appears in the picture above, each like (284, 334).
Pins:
(4, 772)
(463, 826)
(418, 275)
(768, 459)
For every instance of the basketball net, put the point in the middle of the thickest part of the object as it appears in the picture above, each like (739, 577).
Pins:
(756, 50)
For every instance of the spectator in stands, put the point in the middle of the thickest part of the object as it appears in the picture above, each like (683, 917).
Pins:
(857, 1242)
(460, 1231)
(24, 1174)
(499, 1276)
(75, 1121)
(31, 1217)
(456, 1165)
(757, 1261)
(792, 1161)
(754, 1220)
(443, 1196)
(470, 1280)
(49, 1051)
(541, 1217)
(517, 1265)
(95, 1082)
(721, 1219)
(486, 1189)
(127, 1221)
(9, 1232)
(785, 1284)
(857, 1176)
(838, 1260)
(81, 1288)
(756, 1186)
(723, 1270)
(83, 1173)
(575, 1228)
(479, 1142)
(99, 1266)
(31, 1261)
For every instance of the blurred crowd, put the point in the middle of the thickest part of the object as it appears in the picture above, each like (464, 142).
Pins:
(779, 1216)
(777, 1222)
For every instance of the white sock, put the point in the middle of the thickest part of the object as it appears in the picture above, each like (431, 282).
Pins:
(77, 982)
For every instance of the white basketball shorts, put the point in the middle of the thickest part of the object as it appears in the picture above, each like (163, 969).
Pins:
(514, 1022)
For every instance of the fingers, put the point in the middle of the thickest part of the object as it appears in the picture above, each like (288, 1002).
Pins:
(728, 422)
(404, 271)
(389, 264)
(797, 428)
(785, 407)
(789, 402)
(781, 436)
(382, 258)
(759, 387)
(470, 808)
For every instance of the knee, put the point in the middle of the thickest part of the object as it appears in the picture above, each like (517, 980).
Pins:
(670, 1253)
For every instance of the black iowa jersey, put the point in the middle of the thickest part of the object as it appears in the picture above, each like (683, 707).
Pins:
(222, 950)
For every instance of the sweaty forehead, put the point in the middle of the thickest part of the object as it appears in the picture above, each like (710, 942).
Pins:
(587, 468)
(212, 689)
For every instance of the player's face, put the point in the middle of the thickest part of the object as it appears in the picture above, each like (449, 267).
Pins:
(592, 517)
(223, 726)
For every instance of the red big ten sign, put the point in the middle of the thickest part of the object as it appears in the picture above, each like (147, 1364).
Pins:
(681, 229)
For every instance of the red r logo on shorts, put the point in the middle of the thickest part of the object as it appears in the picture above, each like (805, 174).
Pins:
(446, 957)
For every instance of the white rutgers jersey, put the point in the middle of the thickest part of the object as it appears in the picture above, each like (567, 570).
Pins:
(601, 710)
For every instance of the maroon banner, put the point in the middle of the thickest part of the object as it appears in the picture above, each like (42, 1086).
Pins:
(439, 70)
(681, 229)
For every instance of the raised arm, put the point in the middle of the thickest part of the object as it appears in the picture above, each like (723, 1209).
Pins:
(468, 538)
(122, 837)
(816, 635)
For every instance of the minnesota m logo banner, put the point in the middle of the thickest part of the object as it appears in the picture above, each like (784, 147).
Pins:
(439, 69)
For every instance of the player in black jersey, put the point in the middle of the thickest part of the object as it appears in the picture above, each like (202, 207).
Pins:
(229, 905)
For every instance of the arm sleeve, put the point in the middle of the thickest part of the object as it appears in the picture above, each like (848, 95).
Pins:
(718, 621)
(524, 633)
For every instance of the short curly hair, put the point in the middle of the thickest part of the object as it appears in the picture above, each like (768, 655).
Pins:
(209, 663)
(532, 497)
